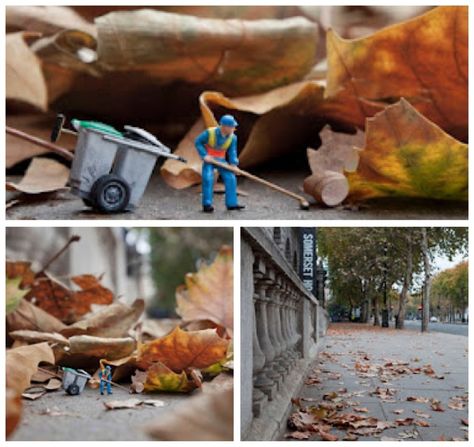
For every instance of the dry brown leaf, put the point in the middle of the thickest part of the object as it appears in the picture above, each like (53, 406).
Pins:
(44, 19)
(367, 74)
(417, 399)
(299, 435)
(208, 294)
(131, 403)
(13, 410)
(112, 321)
(421, 423)
(204, 417)
(27, 316)
(22, 363)
(239, 57)
(180, 350)
(100, 348)
(42, 176)
(31, 337)
(56, 298)
(53, 384)
(34, 394)
(24, 78)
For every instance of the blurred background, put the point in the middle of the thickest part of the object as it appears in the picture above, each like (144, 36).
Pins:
(146, 263)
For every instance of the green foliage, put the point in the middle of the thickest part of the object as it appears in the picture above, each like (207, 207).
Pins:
(450, 290)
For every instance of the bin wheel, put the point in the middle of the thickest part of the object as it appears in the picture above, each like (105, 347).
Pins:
(111, 194)
(88, 202)
(73, 389)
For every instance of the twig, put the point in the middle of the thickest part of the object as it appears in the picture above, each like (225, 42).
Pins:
(73, 238)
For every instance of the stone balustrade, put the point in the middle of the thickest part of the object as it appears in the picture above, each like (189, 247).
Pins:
(281, 326)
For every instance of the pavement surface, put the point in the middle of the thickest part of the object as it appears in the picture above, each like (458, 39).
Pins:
(59, 417)
(350, 345)
(447, 328)
(163, 202)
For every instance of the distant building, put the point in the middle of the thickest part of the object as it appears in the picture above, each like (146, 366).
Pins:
(101, 250)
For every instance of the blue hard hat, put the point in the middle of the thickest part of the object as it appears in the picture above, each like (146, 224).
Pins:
(228, 120)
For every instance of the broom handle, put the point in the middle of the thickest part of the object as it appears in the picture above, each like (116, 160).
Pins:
(40, 142)
(238, 171)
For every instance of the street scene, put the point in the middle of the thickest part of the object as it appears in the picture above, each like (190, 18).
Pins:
(119, 334)
(359, 334)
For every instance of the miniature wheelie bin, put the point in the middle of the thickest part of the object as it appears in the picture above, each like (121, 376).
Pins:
(111, 169)
(74, 381)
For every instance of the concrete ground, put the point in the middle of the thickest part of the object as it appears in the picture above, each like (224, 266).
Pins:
(448, 328)
(447, 354)
(59, 417)
(163, 202)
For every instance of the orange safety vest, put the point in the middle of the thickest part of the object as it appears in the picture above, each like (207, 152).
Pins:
(214, 151)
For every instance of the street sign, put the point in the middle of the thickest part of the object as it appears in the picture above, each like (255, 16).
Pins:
(308, 258)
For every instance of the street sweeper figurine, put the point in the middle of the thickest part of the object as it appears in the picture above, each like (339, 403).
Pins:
(105, 376)
(219, 144)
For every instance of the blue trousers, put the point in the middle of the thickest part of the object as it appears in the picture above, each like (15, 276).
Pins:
(109, 387)
(230, 183)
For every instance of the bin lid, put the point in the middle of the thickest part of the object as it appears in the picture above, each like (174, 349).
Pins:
(96, 125)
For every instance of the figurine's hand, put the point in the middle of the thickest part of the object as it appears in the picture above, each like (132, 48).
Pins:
(207, 159)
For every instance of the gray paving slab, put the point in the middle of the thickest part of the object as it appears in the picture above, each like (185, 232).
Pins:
(163, 202)
(447, 354)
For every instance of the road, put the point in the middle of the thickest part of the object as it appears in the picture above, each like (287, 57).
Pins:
(447, 328)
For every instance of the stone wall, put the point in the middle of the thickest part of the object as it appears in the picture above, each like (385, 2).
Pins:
(281, 327)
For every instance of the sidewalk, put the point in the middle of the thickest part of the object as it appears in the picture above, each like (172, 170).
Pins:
(384, 384)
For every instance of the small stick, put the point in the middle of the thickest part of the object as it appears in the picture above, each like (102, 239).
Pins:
(73, 238)
(303, 202)
(40, 142)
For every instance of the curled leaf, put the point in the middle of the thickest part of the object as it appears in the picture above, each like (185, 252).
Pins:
(208, 294)
(180, 350)
(405, 155)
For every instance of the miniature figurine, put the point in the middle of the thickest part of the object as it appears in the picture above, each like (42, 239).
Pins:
(219, 144)
(105, 376)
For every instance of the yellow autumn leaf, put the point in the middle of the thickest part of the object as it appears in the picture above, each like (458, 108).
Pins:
(180, 350)
(406, 155)
(424, 60)
(208, 293)
(160, 378)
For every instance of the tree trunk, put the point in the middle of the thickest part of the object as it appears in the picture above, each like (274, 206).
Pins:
(406, 286)
(376, 311)
(427, 281)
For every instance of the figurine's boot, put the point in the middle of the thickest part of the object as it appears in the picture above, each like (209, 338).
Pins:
(236, 207)
(208, 208)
